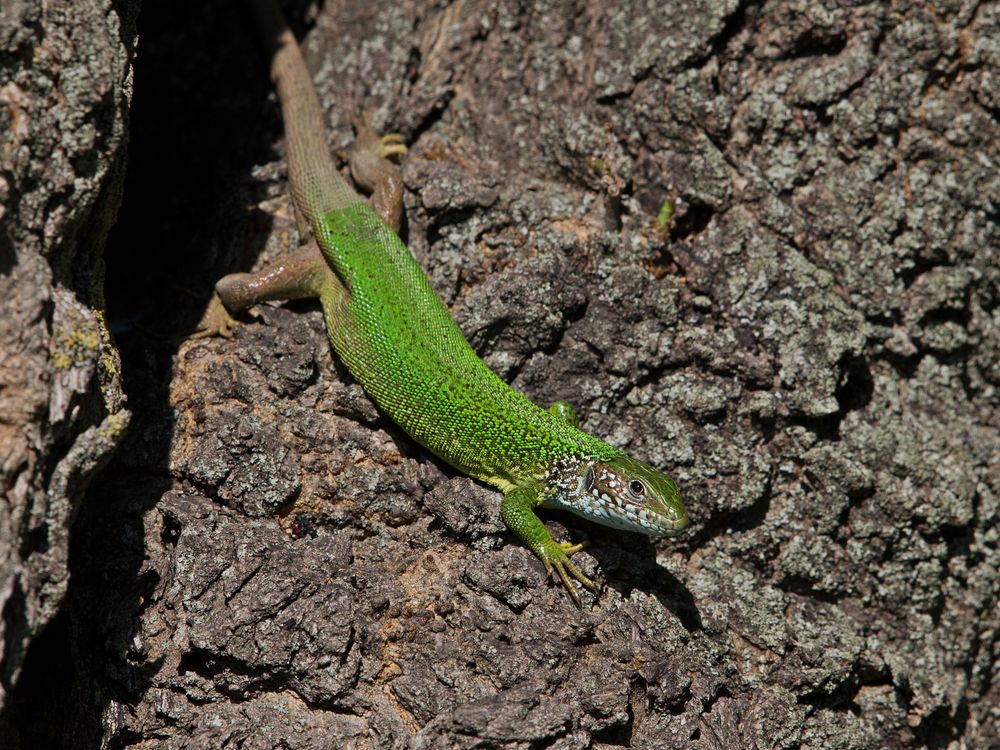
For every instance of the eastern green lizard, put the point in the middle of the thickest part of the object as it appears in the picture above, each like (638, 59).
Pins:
(397, 339)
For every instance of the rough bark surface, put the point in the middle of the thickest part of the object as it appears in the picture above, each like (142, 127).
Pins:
(65, 83)
(811, 347)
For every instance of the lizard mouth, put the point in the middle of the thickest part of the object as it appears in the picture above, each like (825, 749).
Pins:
(656, 519)
(648, 517)
(672, 520)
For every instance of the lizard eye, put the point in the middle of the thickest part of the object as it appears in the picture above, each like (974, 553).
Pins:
(637, 488)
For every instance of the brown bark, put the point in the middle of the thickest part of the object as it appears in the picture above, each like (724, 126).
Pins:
(810, 348)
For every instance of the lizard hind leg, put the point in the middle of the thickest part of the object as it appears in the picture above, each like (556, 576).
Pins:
(301, 274)
(373, 172)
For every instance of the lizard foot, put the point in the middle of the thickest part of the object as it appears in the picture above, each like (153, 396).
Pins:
(555, 557)
(366, 139)
(215, 322)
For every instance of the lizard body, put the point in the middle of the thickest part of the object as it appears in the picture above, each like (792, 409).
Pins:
(398, 340)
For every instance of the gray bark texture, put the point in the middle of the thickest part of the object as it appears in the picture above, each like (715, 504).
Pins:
(65, 86)
(810, 346)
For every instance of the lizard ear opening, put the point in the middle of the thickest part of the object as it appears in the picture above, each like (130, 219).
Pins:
(589, 479)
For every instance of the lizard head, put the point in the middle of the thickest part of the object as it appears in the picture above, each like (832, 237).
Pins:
(628, 494)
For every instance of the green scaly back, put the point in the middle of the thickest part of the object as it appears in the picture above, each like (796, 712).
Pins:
(397, 338)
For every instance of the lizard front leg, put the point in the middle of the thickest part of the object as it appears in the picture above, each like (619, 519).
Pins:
(518, 512)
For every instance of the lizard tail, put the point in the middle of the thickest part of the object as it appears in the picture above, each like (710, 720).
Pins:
(317, 187)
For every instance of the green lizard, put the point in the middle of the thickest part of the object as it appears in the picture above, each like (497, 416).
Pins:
(397, 339)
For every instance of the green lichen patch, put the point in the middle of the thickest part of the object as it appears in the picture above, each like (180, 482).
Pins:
(74, 341)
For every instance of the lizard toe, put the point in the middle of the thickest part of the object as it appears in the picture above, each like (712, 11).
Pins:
(215, 322)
